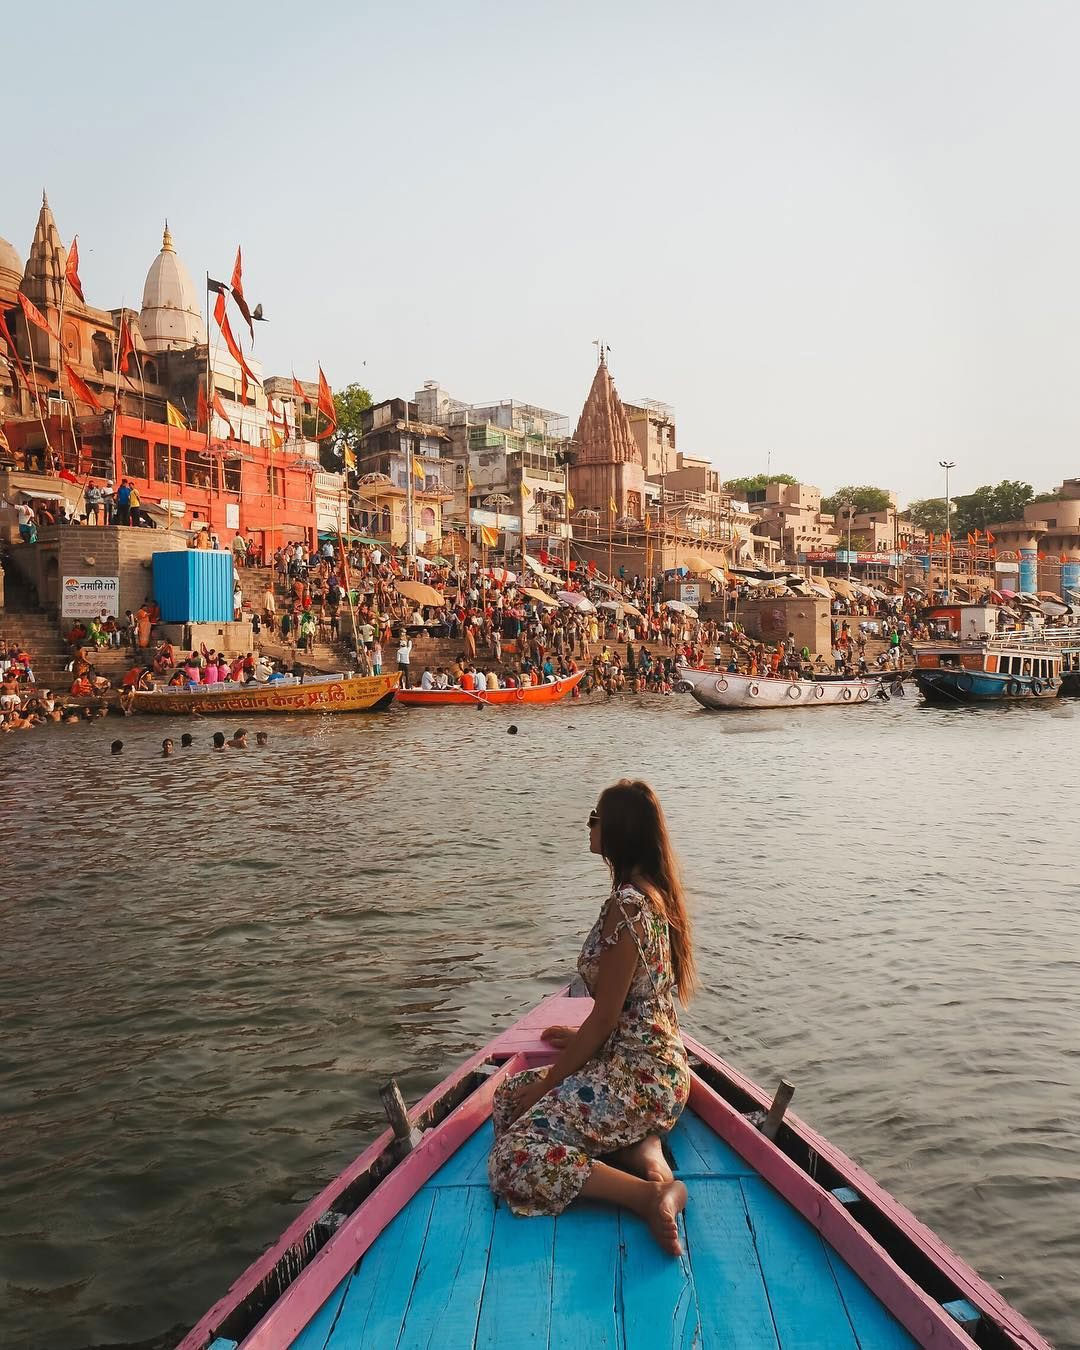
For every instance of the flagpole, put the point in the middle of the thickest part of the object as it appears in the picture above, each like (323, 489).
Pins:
(168, 470)
(60, 360)
(206, 377)
(37, 391)
(410, 536)
(521, 507)
(343, 505)
(117, 476)
(316, 431)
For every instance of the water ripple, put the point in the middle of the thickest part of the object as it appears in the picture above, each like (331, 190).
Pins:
(211, 962)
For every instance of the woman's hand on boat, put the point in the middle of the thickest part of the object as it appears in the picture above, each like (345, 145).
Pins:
(559, 1037)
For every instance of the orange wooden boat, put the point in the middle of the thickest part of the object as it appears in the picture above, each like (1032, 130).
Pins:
(313, 694)
(551, 692)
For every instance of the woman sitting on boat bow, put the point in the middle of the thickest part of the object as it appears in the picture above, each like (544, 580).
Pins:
(591, 1123)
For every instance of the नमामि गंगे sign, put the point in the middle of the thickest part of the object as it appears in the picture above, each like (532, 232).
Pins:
(86, 597)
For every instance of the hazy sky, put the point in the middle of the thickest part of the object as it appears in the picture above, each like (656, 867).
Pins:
(842, 233)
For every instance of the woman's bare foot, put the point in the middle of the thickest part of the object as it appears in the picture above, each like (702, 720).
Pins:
(645, 1159)
(559, 1037)
(668, 1202)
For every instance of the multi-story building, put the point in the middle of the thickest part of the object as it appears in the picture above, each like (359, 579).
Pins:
(509, 468)
(69, 413)
(400, 461)
(652, 425)
(1044, 547)
(790, 514)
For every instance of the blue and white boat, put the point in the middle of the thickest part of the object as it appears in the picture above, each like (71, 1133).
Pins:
(1033, 663)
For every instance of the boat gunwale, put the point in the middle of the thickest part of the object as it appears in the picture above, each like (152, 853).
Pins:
(838, 1226)
(207, 702)
(832, 681)
(290, 1246)
(713, 1082)
(550, 692)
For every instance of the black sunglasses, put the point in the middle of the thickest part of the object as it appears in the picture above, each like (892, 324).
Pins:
(594, 819)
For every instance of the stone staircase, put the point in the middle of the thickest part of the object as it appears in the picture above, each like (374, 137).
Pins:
(49, 654)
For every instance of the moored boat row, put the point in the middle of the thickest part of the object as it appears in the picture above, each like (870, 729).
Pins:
(336, 694)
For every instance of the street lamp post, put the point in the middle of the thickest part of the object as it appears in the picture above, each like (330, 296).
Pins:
(948, 464)
(850, 514)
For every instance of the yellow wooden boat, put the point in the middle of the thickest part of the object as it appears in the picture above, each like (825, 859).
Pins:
(310, 694)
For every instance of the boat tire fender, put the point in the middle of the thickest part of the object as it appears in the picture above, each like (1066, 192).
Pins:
(819, 691)
(846, 695)
(965, 683)
(1014, 688)
(519, 696)
(864, 693)
(720, 685)
(752, 690)
(794, 691)
(1036, 686)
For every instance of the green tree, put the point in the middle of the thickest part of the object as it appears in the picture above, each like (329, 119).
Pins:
(349, 403)
(991, 505)
(927, 514)
(758, 482)
(861, 498)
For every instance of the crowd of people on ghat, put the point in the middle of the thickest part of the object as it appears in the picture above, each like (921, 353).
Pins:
(509, 631)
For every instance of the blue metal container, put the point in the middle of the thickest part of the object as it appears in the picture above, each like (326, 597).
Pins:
(194, 585)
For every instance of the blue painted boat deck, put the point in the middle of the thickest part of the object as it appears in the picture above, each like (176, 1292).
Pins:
(455, 1270)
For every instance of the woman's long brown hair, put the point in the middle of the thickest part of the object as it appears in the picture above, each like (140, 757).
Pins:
(635, 844)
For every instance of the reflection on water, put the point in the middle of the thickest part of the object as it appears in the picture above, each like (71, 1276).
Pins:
(211, 962)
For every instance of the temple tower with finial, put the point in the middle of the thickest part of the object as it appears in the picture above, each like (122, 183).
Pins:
(171, 316)
(607, 466)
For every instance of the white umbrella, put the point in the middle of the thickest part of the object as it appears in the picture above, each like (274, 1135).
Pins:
(618, 606)
(680, 607)
(576, 600)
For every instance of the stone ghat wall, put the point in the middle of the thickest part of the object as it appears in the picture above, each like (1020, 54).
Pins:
(93, 551)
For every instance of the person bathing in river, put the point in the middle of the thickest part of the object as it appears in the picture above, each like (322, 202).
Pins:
(590, 1124)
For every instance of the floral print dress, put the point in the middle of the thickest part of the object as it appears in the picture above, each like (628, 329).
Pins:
(636, 1084)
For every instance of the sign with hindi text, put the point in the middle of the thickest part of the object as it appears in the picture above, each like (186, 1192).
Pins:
(86, 597)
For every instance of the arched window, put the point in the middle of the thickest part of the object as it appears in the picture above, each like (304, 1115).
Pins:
(102, 351)
(386, 520)
(72, 342)
(427, 518)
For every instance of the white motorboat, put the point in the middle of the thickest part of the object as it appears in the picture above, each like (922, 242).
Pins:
(724, 689)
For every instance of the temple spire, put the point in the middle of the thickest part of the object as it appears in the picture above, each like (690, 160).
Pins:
(43, 278)
(603, 431)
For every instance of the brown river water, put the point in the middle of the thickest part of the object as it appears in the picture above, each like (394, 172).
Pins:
(210, 964)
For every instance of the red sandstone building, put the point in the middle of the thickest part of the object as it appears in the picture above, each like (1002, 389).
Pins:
(227, 475)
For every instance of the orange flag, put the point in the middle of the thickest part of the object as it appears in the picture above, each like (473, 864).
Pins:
(298, 388)
(231, 342)
(81, 390)
(219, 408)
(202, 411)
(126, 346)
(326, 407)
(237, 285)
(35, 316)
(71, 271)
(989, 537)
